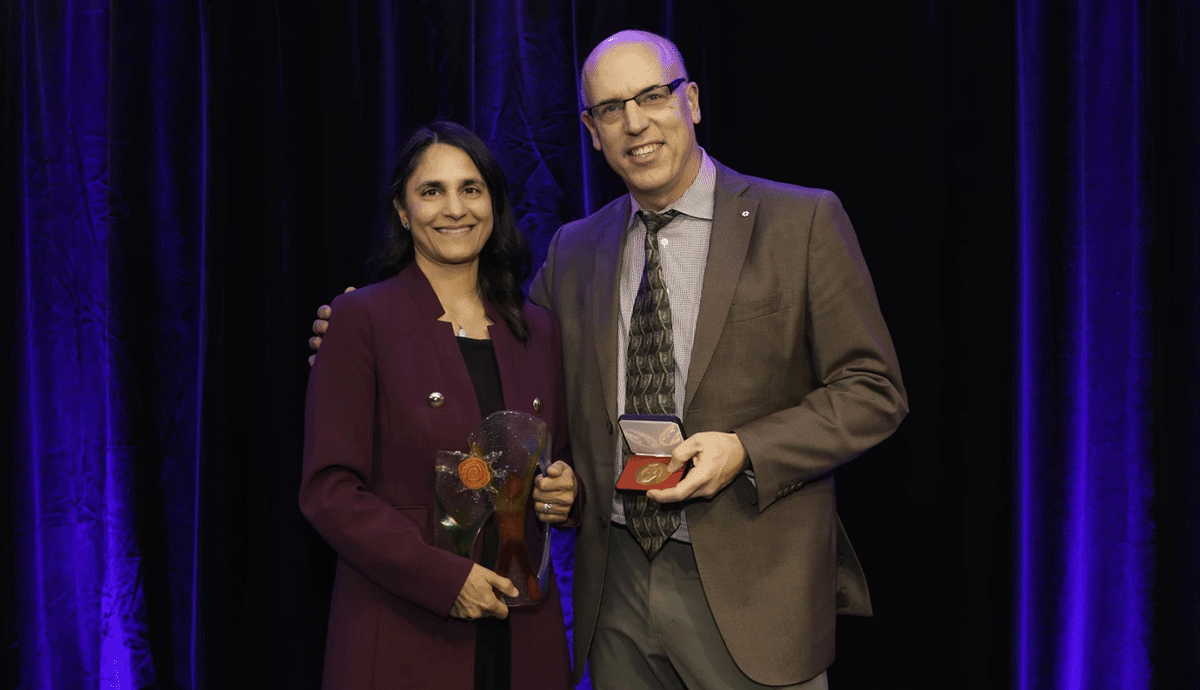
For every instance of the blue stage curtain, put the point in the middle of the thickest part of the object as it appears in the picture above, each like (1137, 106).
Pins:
(111, 277)
(1085, 475)
(186, 181)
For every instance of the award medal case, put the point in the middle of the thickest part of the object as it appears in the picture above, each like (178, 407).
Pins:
(650, 439)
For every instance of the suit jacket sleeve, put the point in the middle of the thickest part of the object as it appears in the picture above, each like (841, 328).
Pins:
(372, 536)
(539, 294)
(539, 289)
(859, 398)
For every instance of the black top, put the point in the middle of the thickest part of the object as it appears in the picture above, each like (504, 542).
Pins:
(480, 358)
(493, 644)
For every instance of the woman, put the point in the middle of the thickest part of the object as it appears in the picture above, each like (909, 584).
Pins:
(409, 366)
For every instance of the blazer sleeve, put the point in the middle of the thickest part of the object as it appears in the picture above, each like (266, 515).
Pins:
(859, 399)
(339, 431)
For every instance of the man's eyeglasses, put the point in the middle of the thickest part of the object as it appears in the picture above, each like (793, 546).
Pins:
(653, 97)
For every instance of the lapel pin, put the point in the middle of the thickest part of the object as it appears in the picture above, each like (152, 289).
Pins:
(745, 214)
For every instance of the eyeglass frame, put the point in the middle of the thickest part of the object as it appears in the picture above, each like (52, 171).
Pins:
(671, 87)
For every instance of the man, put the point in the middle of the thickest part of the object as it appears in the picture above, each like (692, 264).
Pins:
(754, 298)
(783, 371)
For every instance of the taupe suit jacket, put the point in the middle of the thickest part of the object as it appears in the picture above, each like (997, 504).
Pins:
(792, 354)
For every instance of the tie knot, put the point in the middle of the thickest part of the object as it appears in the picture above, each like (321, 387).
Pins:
(655, 221)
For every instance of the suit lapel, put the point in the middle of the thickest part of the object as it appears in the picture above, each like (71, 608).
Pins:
(733, 224)
(606, 298)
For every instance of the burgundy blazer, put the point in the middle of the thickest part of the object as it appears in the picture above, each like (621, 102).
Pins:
(372, 431)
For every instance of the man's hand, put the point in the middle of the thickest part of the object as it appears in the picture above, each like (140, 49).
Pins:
(717, 459)
(554, 493)
(320, 325)
(477, 598)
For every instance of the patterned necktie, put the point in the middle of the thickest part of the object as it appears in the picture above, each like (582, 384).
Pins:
(650, 379)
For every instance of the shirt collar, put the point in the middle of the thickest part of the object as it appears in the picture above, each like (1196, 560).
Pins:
(697, 201)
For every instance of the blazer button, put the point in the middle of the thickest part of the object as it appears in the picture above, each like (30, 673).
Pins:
(537, 404)
(608, 427)
(436, 399)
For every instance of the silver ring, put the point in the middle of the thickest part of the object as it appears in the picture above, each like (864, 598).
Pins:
(546, 508)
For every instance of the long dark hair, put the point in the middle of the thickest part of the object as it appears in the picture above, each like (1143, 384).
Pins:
(504, 261)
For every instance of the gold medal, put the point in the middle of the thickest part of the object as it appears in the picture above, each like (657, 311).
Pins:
(652, 473)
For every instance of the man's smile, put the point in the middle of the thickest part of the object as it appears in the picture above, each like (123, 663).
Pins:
(645, 149)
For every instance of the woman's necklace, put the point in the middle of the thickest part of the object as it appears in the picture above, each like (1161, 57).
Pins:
(459, 324)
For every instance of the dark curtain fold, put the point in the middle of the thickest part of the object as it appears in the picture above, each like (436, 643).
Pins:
(186, 181)
(110, 161)
(1174, 141)
(1085, 473)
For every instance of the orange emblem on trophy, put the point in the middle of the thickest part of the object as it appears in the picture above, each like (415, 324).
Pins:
(474, 473)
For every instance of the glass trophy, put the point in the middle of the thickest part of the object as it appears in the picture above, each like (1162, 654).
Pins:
(466, 490)
(495, 478)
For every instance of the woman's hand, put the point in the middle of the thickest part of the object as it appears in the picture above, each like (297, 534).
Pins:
(477, 598)
(554, 493)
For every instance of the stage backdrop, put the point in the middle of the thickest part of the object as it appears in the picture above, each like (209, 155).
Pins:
(184, 183)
